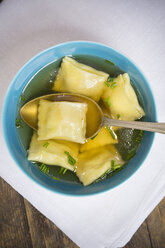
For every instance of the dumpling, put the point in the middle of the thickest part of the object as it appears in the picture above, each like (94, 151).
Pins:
(94, 163)
(53, 152)
(103, 138)
(78, 78)
(62, 120)
(122, 100)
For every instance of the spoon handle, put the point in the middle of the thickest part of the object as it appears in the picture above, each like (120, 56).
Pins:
(147, 126)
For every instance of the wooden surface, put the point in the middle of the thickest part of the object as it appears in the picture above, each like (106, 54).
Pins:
(22, 226)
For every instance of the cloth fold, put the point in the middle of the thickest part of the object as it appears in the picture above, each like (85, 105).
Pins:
(27, 27)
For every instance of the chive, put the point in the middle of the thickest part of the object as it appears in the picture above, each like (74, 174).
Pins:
(118, 116)
(94, 137)
(44, 168)
(105, 173)
(22, 98)
(113, 85)
(107, 84)
(141, 133)
(55, 178)
(112, 163)
(46, 144)
(117, 166)
(18, 123)
(62, 170)
(138, 139)
(110, 62)
(130, 154)
(111, 132)
(108, 101)
(71, 160)
(110, 79)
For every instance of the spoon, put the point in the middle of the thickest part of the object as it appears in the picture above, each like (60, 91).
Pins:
(95, 117)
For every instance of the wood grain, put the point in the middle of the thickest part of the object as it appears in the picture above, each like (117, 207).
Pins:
(14, 228)
(44, 233)
(22, 226)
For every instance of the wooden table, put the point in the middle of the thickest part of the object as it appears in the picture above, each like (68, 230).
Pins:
(22, 226)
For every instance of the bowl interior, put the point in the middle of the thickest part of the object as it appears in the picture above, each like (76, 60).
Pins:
(29, 70)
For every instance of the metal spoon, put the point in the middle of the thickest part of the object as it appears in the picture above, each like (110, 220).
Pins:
(95, 117)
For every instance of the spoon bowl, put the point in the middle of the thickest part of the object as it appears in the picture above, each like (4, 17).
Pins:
(95, 117)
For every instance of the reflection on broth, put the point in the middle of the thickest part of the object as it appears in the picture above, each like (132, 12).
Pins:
(59, 147)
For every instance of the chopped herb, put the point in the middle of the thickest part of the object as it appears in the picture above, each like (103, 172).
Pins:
(141, 133)
(71, 160)
(112, 163)
(118, 116)
(117, 166)
(108, 101)
(138, 139)
(44, 168)
(111, 132)
(22, 98)
(18, 123)
(110, 62)
(130, 154)
(110, 79)
(55, 178)
(94, 136)
(113, 85)
(105, 173)
(62, 170)
(107, 83)
(46, 144)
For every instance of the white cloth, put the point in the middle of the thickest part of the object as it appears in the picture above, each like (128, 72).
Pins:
(137, 29)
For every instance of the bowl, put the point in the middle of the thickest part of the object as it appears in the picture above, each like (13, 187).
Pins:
(21, 80)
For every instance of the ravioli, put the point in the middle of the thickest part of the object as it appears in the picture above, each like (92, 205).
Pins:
(94, 163)
(62, 121)
(121, 100)
(52, 152)
(78, 78)
(103, 138)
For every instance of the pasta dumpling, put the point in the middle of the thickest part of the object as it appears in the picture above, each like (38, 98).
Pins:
(52, 152)
(122, 100)
(92, 164)
(103, 138)
(62, 121)
(79, 78)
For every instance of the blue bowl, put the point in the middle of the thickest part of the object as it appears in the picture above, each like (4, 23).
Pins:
(21, 80)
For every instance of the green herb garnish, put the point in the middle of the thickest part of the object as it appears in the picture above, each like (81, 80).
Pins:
(62, 170)
(131, 154)
(141, 133)
(110, 62)
(115, 167)
(118, 116)
(46, 144)
(111, 132)
(94, 136)
(108, 101)
(113, 85)
(44, 168)
(18, 123)
(112, 163)
(22, 98)
(55, 178)
(107, 83)
(110, 79)
(138, 139)
(71, 160)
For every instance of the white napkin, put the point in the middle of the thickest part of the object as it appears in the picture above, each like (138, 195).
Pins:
(135, 28)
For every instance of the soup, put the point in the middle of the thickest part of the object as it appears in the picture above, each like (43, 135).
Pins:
(128, 140)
